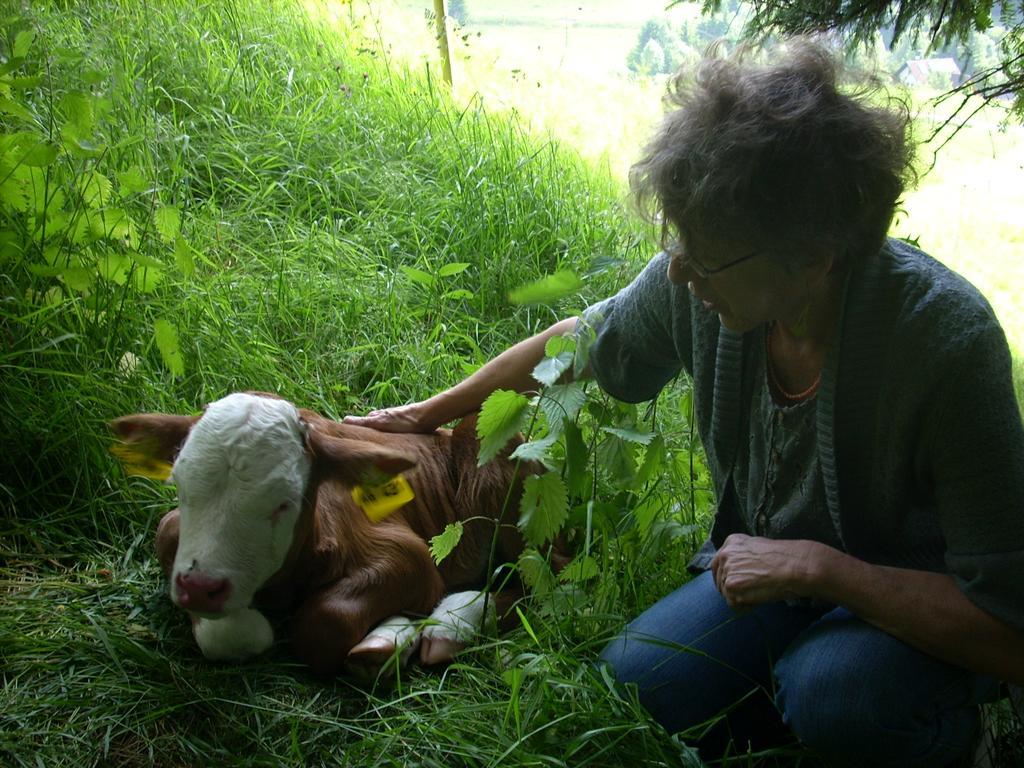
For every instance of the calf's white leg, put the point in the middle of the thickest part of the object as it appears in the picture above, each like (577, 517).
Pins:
(239, 635)
(371, 654)
(453, 623)
(394, 633)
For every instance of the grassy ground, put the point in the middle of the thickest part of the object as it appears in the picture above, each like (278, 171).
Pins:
(347, 237)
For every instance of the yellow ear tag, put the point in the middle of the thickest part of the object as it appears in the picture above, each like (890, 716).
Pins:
(137, 461)
(379, 501)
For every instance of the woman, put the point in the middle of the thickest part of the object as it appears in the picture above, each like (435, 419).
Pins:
(862, 581)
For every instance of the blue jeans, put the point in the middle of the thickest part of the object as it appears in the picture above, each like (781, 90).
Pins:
(852, 693)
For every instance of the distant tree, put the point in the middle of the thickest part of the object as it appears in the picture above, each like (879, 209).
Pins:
(658, 48)
(651, 59)
(662, 47)
(944, 24)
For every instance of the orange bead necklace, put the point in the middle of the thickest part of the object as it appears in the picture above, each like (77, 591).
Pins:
(792, 397)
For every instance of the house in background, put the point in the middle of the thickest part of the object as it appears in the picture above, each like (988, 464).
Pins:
(938, 71)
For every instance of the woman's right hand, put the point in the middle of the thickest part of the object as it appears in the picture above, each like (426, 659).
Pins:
(512, 369)
(401, 418)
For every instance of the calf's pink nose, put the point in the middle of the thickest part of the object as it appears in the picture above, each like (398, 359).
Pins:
(202, 593)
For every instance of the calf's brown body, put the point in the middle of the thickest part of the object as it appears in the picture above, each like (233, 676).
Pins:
(344, 574)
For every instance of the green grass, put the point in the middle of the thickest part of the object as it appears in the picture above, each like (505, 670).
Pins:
(98, 670)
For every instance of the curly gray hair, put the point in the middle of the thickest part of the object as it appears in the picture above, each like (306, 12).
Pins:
(776, 156)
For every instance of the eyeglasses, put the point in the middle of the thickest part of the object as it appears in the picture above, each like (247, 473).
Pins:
(704, 273)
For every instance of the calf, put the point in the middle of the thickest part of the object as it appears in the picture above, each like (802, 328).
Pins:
(267, 516)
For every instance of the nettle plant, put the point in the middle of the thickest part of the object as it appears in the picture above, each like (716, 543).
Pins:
(611, 475)
(86, 231)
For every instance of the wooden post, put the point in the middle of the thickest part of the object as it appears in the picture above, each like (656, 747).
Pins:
(442, 40)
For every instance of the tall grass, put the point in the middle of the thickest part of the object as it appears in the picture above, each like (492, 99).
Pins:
(308, 177)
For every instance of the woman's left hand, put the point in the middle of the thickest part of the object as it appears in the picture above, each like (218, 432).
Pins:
(750, 570)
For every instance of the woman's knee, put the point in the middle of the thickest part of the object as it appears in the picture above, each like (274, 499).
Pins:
(858, 696)
(822, 707)
(690, 656)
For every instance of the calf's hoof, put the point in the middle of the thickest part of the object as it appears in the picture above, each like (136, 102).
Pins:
(435, 649)
(391, 641)
(454, 623)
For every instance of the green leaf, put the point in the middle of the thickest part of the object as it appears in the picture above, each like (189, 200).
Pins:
(547, 289)
(576, 456)
(147, 279)
(78, 279)
(647, 512)
(543, 507)
(452, 269)
(501, 417)
(653, 461)
(84, 227)
(12, 245)
(585, 336)
(631, 435)
(115, 224)
(24, 83)
(93, 76)
(41, 155)
(442, 545)
(557, 345)
(30, 149)
(550, 369)
(80, 109)
(11, 107)
(16, 190)
(582, 568)
(167, 219)
(68, 55)
(41, 270)
(166, 337)
(132, 181)
(78, 144)
(535, 572)
(183, 257)
(536, 450)
(95, 189)
(114, 267)
(616, 457)
(562, 402)
(418, 276)
(22, 44)
(55, 215)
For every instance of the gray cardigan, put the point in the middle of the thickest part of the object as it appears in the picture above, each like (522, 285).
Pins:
(920, 437)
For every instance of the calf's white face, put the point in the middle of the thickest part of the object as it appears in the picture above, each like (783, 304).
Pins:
(241, 476)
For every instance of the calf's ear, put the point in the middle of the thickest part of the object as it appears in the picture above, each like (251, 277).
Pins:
(355, 462)
(154, 436)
